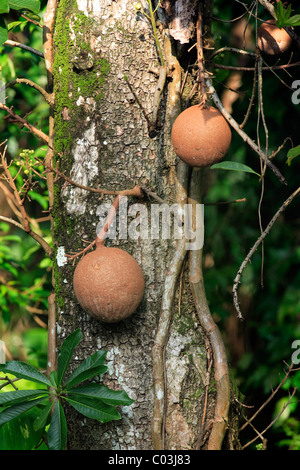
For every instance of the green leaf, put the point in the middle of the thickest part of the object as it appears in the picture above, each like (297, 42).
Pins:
(53, 378)
(93, 408)
(24, 371)
(32, 5)
(3, 31)
(19, 434)
(292, 153)
(41, 420)
(57, 432)
(19, 396)
(294, 20)
(110, 397)
(235, 166)
(17, 410)
(66, 352)
(4, 8)
(91, 366)
(13, 25)
(42, 200)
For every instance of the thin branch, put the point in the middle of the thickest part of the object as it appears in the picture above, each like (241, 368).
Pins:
(19, 203)
(126, 192)
(47, 248)
(273, 421)
(232, 49)
(11, 221)
(23, 46)
(200, 60)
(151, 125)
(30, 83)
(251, 102)
(255, 246)
(24, 123)
(279, 386)
(242, 134)
(252, 69)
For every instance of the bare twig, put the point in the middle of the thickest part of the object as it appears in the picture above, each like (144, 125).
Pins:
(260, 434)
(255, 246)
(24, 123)
(242, 134)
(30, 83)
(19, 204)
(251, 102)
(23, 46)
(279, 386)
(200, 59)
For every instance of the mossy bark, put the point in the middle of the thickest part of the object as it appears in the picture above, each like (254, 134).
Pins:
(102, 137)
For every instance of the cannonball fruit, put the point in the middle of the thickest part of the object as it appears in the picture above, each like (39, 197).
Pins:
(201, 136)
(272, 40)
(108, 284)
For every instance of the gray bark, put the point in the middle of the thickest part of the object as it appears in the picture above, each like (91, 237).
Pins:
(103, 136)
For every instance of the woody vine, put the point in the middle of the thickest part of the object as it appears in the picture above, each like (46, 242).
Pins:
(189, 189)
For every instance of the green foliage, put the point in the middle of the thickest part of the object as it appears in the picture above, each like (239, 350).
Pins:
(234, 166)
(30, 6)
(284, 17)
(293, 153)
(93, 400)
(24, 283)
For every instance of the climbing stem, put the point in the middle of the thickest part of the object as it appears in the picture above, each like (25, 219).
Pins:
(221, 373)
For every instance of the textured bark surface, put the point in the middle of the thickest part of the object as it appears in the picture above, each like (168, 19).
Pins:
(103, 136)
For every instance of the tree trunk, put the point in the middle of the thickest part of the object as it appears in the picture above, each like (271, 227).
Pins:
(105, 63)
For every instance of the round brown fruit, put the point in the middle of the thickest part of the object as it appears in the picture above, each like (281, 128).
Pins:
(108, 284)
(200, 136)
(272, 40)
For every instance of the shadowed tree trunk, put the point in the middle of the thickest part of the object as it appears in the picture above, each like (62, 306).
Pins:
(106, 68)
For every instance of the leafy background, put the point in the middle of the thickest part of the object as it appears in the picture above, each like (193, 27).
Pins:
(259, 346)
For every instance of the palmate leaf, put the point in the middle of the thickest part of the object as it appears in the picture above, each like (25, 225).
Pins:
(108, 396)
(24, 371)
(93, 408)
(91, 366)
(66, 353)
(57, 432)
